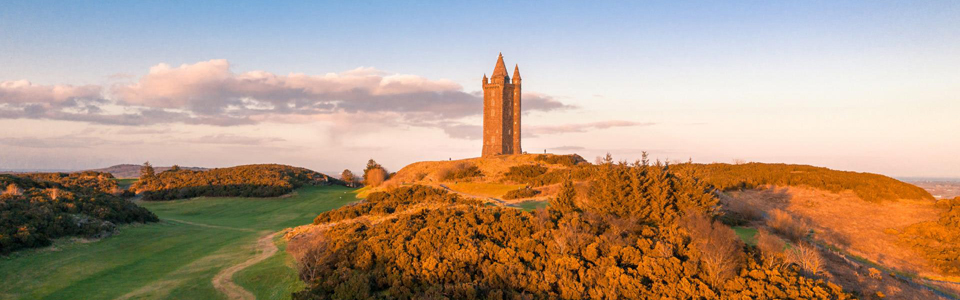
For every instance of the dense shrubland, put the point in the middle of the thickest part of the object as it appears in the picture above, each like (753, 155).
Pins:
(35, 208)
(524, 192)
(564, 160)
(869, 187)
(460, 171)
(638, 232)
(268, 180)
(938, 241)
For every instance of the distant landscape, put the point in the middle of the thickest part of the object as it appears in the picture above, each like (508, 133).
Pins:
(395, 150)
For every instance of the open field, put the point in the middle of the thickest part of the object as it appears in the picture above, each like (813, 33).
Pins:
(176, 258)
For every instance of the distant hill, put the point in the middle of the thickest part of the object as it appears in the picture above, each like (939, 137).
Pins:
(133, 171)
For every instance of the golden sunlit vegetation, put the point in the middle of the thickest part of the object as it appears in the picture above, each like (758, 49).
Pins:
(35, 208)
(269, 180)
(938, 241)
(520, 193)
(374, 174)
(639, 232)
(867, 186)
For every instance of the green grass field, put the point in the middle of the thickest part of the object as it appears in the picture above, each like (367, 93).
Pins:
(746, 234)
(532, 205)
(171, 259)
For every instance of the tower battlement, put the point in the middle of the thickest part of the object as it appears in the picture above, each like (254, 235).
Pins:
(501, 111)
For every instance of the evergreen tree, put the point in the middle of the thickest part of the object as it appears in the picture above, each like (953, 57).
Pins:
(565, 202)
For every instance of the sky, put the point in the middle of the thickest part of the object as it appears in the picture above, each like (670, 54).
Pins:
(867, 86)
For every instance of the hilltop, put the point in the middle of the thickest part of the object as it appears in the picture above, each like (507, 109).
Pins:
(133, 171)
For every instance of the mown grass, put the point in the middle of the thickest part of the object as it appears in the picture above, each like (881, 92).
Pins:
(746, 234)
(532, 205)
(496, 190)
(170, 259)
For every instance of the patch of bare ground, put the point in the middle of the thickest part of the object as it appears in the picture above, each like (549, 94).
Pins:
(223, 281)
(861, 229)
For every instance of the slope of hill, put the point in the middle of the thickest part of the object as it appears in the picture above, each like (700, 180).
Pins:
(35, 208)
(268, 180)
(868, 186)
(133, 171)
(653, 239)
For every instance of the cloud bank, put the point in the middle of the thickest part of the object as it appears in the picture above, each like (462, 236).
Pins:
(209, 93)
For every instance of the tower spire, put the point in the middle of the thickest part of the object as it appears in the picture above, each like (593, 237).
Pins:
(500, 71)
(516, 72)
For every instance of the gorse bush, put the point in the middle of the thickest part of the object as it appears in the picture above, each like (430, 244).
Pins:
(34, 211)
(938, 241)
(268, 180)
(870, 187)
(520, 193)
(522, 173)
(564, 160)
(424, 243)
(460, 171)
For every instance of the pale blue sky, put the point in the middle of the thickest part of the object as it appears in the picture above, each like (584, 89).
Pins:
(866, 86)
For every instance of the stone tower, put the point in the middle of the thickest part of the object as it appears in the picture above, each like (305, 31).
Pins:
(501, 111)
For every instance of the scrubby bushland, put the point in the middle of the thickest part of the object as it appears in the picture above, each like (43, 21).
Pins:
(34, 211)
(938, 241)
(384, 203)
(565, 160)
(90, 180)
(523, 173)
(870, 187)
(460, 171)
(525, 192)
(623, 240)
(269, 180)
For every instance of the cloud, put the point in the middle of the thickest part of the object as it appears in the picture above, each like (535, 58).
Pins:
(229, 139)
(22, 92)
(534, 131)
(70, 142)
(475, 132)
(567, 148)
(210, 88)
(210, 93)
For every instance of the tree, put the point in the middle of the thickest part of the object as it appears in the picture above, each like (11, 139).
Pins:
(146, 171)
(720, 251)
(347, 177)
(374, 177)
(174, 168)
(566, 198)
(374, 174)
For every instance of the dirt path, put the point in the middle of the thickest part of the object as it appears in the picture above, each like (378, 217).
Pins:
(223, 282)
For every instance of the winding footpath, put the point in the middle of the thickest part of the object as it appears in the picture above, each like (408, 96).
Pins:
(223, 281)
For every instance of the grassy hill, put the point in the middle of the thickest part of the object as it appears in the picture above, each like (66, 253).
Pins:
(867, 186)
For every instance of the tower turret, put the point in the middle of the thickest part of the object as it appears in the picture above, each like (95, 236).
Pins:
(516, 74)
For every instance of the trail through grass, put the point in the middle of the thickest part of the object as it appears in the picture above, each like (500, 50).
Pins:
(173, 259)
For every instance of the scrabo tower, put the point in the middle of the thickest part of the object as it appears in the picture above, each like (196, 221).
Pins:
(501, 111)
